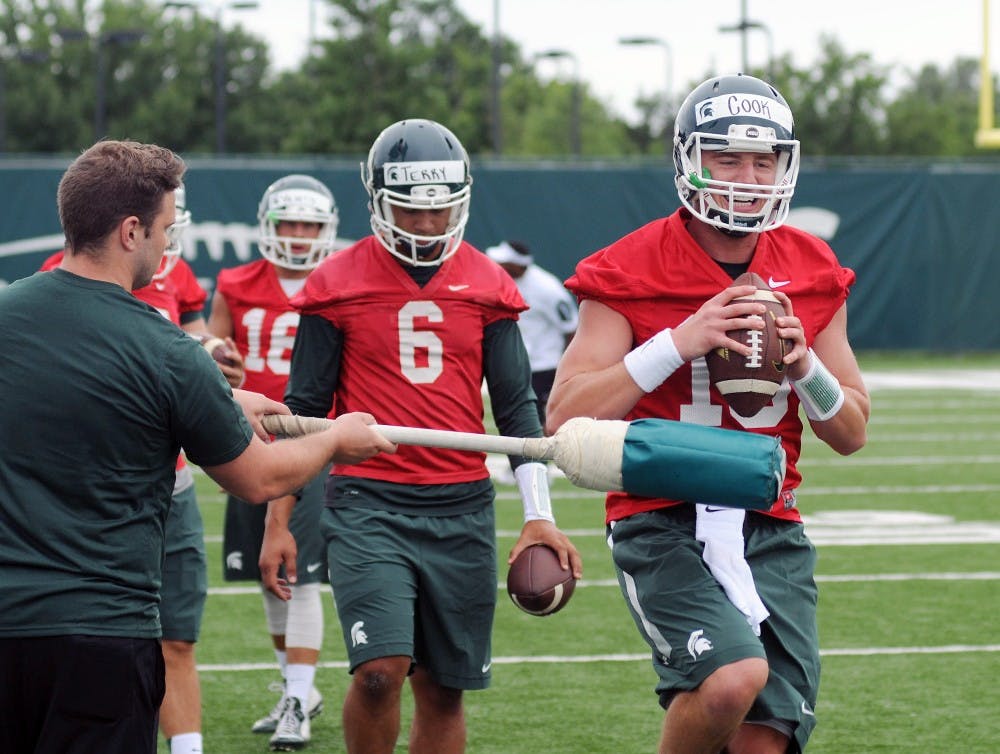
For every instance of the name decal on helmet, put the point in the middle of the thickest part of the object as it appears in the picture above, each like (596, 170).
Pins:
(412, 173)
(751, 105)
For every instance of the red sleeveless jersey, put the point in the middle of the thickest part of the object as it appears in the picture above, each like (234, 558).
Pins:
(412, 356)
(657, 276)
(264, 325)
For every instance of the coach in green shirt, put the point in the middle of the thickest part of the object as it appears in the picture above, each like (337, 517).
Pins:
(100, 392)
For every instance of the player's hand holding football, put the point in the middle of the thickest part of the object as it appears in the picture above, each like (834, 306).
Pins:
(545, 532)
(790, 328)
(232, 367)
(708, 327)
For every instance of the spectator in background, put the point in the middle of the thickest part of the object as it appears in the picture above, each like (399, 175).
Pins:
(298, 221)
(548, 325)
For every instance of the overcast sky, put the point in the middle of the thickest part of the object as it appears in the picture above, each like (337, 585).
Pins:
(907, 33)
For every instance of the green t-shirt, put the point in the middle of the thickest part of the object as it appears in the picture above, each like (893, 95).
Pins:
(99, 394)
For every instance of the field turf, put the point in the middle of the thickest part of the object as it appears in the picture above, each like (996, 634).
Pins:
(908, 533)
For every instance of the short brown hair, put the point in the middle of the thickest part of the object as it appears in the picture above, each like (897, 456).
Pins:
(111, 181)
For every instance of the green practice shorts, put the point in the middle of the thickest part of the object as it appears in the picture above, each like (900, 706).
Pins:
(693, 629)
(185, 570)
(418, 586)
(243, 533)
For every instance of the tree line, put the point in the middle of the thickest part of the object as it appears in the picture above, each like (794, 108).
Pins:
(148, 70)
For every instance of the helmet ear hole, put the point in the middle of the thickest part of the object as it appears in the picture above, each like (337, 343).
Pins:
(417, 164)
(736, 114)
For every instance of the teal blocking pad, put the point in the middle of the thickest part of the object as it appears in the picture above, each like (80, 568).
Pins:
(688, 462)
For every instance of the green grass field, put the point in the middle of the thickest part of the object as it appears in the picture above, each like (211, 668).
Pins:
(908, 532)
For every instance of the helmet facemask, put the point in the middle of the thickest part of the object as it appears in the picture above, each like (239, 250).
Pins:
(700, 193)
(409, 247)
(175, 236)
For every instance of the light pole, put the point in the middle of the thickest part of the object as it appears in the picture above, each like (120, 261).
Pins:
(220, 60)
(122, 36)
(743, 27)
(668, 92)
(575, 115)
(496, 83)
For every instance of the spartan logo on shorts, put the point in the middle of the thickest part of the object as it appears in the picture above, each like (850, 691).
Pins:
(357, 635)
(234, 561)
(698, 644)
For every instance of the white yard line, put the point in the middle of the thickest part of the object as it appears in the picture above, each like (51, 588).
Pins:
(838, 578)
(637, 657)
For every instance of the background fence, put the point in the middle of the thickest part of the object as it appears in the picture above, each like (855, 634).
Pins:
(924, 238)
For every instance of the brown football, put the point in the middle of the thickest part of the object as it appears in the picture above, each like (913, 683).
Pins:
(748, 383)
(537, 583)
(217, 348)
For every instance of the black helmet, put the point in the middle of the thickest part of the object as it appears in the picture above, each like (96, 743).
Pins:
(735, 113)
(417, 164)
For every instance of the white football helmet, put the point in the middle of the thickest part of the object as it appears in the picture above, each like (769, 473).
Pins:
(297, 198)
(735, 113)
(175, 234)
(417, 164)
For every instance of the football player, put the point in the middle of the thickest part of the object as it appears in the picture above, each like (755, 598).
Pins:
(407, 322)
(298, 219)
(728, 603)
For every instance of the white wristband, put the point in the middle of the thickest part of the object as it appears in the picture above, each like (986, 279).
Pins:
(654, 361)
(819, 391)
(533, 482)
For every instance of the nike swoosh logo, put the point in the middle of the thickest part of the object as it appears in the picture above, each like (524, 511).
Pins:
(807, 711)
(458, 287)
(487, 666)
(777, 283)
(714, 510)
(313, 566)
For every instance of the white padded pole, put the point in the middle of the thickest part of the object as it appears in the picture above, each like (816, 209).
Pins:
(587, 451)
(534, 448)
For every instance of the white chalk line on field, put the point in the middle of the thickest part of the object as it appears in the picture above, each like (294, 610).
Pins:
(832, 578)
(636, 657)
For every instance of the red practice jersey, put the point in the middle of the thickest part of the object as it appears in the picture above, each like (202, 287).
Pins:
(658, 276)
(264, 325)
(412, 356)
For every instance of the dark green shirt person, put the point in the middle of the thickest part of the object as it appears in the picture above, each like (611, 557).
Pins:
(119, 367)
(100, 393)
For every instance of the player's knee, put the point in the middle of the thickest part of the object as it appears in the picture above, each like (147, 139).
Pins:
(731, 689)
(381, 680)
